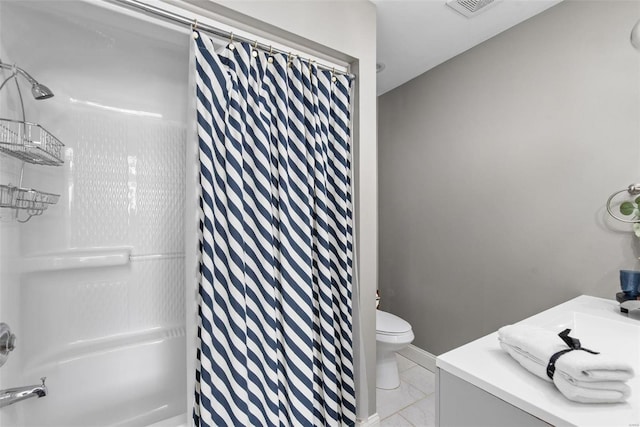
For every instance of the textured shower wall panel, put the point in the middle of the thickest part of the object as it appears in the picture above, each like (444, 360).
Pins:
(114, 348)
(98, 308)
(109, 339)
(125, 180)
(121, 326)
(130, 182)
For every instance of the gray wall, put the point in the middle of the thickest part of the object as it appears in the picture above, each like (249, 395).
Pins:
(494, 169)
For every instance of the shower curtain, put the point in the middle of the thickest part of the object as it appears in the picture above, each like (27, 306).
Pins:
(275, 295)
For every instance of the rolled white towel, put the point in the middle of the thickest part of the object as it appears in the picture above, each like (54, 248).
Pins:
(581, 376)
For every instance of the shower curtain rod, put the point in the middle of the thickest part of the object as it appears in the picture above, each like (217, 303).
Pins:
(167, 15)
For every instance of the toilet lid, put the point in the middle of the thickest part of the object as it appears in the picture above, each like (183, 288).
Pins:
(390, 324)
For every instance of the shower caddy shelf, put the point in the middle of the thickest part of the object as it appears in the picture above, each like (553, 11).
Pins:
(30, 143)
(33, 201)
(33, 144)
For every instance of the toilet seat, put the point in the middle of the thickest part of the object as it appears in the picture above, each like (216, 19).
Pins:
(404, 338)
(389, 324)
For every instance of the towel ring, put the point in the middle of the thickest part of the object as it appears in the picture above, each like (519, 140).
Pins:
(633, 190)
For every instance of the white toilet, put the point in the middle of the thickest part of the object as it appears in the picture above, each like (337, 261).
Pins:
(392, 334)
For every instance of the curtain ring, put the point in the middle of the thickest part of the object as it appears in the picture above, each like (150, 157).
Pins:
(289, 60)
(270, 58)
(333, 74)
(231, 45)
(254, 53)
(194, 28)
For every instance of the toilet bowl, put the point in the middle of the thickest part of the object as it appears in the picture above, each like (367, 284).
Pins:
(392, 334)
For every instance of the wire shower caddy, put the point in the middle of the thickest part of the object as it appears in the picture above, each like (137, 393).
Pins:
(34, 202)
(31, 143)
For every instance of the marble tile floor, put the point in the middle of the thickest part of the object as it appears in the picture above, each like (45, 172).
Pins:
(411, 404)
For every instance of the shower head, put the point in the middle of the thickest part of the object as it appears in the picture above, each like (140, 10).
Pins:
(39, 91)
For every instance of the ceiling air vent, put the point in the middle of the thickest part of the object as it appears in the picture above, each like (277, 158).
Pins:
(470, 8)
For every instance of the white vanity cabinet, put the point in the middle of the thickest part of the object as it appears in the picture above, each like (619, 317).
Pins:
(479, 384)
(460, 403)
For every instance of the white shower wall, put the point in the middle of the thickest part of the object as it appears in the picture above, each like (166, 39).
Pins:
(109, 339)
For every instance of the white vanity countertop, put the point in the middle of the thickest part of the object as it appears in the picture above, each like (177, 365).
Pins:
(597, 323)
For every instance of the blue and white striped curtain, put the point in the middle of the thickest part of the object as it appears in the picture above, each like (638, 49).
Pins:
(275, 308)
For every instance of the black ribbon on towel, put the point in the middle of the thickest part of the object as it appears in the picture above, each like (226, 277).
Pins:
(573, 343)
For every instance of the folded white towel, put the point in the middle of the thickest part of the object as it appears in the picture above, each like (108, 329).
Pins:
(591, 391)
(581, 376)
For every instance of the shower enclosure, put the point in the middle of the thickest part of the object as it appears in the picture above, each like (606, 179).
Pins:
(99, 288)
(94, 287)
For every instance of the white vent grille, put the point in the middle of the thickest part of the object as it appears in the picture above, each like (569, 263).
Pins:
(470, 8)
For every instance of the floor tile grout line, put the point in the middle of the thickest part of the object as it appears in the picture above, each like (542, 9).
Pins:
(413, 404)
(410, 423)
(399, 410)
(404, 407)
(419, 400)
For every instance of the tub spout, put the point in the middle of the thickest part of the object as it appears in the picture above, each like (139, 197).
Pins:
(13, 395)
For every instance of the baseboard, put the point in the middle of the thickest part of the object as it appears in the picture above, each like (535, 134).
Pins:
(420, 356)
(372, 421)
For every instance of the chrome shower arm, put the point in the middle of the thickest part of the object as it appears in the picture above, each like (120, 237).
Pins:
(20, 71)
(38, 90)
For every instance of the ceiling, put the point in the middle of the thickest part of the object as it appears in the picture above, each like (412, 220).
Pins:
(417, 35)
